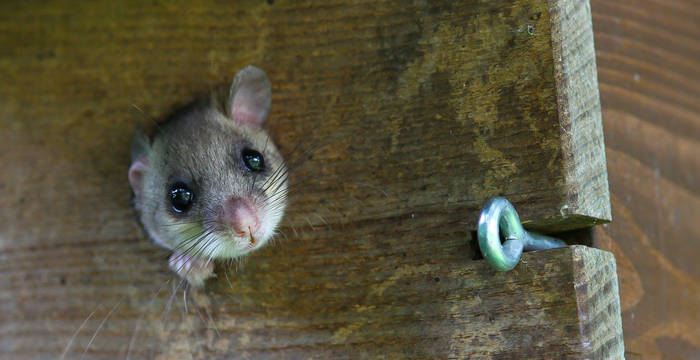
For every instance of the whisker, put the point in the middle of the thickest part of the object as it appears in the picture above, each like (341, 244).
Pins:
(323, 220)
(70, 342)
(310, 224)
(195, 240)
(211, 320)
(99, 328)
(132, 341)
(207, 242)
(279, 231)
(184, 299)
(169, 304)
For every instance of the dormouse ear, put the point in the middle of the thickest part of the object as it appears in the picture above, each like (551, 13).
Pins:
(250, 97)
(140, 144)
(137, 170)
(140, 149)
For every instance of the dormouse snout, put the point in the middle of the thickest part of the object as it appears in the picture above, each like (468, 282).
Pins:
(241, 216)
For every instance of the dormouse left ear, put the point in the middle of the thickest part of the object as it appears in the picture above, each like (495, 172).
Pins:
(250, 97)
(140, 152)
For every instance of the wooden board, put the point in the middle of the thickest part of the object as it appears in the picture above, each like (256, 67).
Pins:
(647, 55)
(427, 109)
(561, 303)
(416, 114)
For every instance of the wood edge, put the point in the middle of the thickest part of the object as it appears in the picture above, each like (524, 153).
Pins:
(578, 103)
(598, 301)
(563, 223)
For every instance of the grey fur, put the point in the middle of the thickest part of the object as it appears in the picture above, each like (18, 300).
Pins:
(201, 145)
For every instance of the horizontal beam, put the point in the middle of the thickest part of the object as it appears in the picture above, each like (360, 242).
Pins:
(560, 303)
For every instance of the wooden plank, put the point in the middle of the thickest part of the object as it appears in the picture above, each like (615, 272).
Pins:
(464, 100)
(598, 302)
(419, 113)
(579, 109)
(560, 303)
(647, 56)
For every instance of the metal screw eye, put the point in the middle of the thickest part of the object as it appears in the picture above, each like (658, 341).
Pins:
(498, 215)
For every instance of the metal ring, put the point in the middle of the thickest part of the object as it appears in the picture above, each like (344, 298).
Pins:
(498, 215)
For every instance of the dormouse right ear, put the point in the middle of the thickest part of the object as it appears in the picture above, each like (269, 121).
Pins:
(250, 97)
(140, 150)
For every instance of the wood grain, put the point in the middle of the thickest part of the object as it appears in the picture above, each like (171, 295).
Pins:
(579, 105)
(561, 303)
(598, 301)
(414, 114)
(647, 55)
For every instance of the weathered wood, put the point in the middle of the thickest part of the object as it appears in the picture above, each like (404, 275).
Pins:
(579, 111)
(560, 303)
(598, 301)
(417, 112)
(647, 56)
(453, 102)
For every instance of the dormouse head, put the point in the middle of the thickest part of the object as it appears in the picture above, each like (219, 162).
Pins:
(210, 182)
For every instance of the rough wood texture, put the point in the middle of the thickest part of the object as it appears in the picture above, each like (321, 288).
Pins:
(419, 113)
(579, 106)
(561, 303)
(598, 300)
(647, 54)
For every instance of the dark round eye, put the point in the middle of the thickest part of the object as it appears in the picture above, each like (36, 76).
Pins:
(253, 160)
(181, 197)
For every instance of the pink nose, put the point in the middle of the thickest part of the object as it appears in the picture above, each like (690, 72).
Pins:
(241, 216)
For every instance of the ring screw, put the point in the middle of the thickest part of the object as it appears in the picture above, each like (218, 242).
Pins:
(499, 216)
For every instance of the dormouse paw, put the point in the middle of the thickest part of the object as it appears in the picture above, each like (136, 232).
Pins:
(194, 269)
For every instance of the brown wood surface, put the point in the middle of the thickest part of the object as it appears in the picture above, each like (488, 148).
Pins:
(648, 55)
(414, 113)
(578, 106)
(561, 303)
